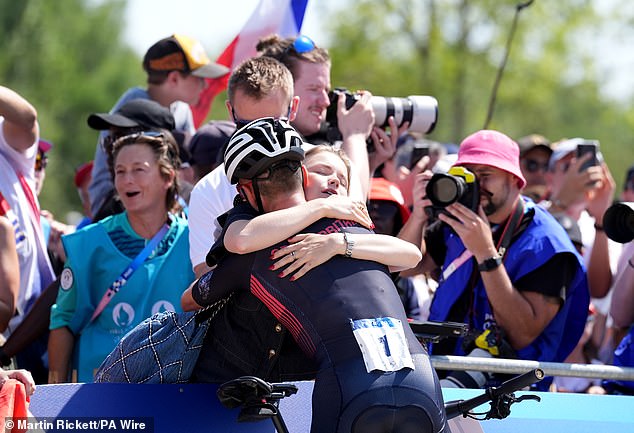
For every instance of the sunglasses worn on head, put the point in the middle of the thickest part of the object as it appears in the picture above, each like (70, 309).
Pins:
(151, 134)
(302, 44)
(533, 166)
(142, 134)
(114, 135)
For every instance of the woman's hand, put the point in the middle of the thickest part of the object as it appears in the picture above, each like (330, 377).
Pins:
(305, 252)
(340, 207)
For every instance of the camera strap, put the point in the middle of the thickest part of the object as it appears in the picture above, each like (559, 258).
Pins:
(508, 232)
(462, 309)
(511, 226)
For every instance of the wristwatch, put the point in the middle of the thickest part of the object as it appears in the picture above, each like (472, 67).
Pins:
(349, 244)
(490, 263)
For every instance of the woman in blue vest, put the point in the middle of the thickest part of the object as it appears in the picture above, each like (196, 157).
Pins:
(126, 267)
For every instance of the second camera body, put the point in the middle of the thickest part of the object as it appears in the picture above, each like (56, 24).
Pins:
(457, 185)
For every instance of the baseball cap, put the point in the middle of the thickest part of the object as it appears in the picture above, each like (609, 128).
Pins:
(143, 113)
(181, 53)
(532, 141)
(565, 147)
(561, 149)
(492, 148)
(207, 145)
(82, 173)
(44, 145)
(382, 189)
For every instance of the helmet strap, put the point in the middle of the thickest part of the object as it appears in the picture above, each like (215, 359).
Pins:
(256, 193)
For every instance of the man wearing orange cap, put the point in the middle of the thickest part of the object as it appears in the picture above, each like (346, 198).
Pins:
(176, 69)
(507, 269)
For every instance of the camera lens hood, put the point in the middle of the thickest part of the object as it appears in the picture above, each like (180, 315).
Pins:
(618, 222)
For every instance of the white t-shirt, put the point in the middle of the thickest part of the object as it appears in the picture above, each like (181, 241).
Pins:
(35, 268)
(211, 197)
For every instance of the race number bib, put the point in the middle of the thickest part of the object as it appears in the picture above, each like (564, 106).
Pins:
(382, 343)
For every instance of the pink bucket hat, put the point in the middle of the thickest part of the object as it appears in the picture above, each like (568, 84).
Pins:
(492, 148)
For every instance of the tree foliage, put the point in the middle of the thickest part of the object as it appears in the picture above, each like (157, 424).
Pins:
(452, 49)
(68, 59)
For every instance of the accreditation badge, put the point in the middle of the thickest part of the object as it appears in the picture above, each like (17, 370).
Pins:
(383, 344)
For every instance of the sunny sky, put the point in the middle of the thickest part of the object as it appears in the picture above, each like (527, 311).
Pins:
(216, 22)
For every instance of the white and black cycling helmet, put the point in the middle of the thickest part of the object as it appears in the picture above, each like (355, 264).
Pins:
(254, 148)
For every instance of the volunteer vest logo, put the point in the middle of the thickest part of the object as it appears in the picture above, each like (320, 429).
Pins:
(162, 306)
(123, 314)
(67, 279)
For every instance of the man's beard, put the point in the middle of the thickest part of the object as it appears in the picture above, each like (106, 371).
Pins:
(490, 207)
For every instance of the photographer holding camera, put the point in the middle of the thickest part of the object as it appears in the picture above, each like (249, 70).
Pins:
(507, 268)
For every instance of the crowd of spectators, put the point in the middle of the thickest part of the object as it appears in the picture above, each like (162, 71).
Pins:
(527, 265)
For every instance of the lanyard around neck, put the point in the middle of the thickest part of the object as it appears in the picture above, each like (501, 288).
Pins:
(127, 273)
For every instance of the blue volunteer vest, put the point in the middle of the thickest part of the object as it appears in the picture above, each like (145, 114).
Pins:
(541, 240)
(623, 357)
(94, 263)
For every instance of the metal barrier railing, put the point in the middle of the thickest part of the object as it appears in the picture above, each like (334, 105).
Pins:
(515, 366)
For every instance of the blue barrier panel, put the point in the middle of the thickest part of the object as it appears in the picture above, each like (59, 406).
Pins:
(558, 413)
(194, 408)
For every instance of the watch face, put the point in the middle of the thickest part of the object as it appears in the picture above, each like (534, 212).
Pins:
(490, 264)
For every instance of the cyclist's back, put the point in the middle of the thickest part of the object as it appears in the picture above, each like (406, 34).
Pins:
(373, 376)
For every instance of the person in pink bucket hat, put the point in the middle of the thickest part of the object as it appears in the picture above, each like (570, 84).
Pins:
(508, 269)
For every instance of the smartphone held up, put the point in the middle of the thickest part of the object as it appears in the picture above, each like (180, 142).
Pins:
(588, 147)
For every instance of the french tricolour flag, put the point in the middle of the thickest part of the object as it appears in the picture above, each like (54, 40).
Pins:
(283, 17)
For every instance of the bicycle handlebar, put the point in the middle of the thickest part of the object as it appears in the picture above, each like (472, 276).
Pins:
(455, 408)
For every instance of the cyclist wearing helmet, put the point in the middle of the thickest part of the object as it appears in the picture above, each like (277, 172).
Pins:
(345, 314)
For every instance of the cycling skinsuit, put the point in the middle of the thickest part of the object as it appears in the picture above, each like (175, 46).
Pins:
(336, 312)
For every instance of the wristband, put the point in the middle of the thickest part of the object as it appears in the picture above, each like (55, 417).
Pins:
(490, 264)
(349, 244)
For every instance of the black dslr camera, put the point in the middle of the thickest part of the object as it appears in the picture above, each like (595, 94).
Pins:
(420, 111)
(458, 185)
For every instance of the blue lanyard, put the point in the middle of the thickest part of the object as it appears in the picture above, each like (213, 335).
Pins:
(127, 273)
